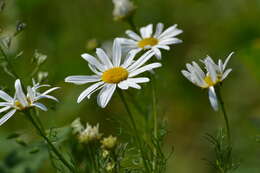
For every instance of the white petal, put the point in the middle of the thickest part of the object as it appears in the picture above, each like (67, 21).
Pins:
(134, 85)
(146, 31)
(117, 53)
(198, 70)
(213, 98)
(5, 109)
(87, 91)
(40, 106)
(123, 85)
(105, 95)
(20, 94)
(159, 29)
(47, 97)
(127, 43)
(50, 90)
(170, 41)
(93, 61)
(143, 59)
(144, 68)
(94, 69)
(7, 116)
(170, 32)
(187, 75)
(5, 103)
(211, 70)
(226, 61)
(104, 58)
(133, 35)
(163, 47)
(226, 73)
(157, 53)
(139, 80)
(5, 96)
(129, 58)
(82, 79)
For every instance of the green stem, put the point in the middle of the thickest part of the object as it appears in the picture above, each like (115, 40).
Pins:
(155, 128)
(135, 128)
(8, 62)
(222, 106)
(53, 148)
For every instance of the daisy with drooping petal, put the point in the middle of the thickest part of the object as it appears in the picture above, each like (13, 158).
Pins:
(113, 72)
(20, 101)
(215, 73)
(154, 41)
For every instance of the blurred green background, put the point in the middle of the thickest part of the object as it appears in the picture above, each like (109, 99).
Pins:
(61, 29)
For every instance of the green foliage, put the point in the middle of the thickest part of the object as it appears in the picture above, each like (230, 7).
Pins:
(224, 161)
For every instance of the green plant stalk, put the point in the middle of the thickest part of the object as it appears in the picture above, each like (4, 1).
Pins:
(8, 62)
(53, 148)
(155, 128)
(222, 106)
(135, 129)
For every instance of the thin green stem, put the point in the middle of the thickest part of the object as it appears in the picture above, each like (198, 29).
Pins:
(53, 148)
(222, 106)
(8, 62)
(135, 128)
(155, 128)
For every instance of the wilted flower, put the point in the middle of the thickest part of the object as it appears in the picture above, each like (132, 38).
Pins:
(159, 40)
(21, 102)
(109, 142)
(76, 126)
(112, 72)
(42, 76)
(39, 57)
(89, 134)
(123, 9)
(215, 73)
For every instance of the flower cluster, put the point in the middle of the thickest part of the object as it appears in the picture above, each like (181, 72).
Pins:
(119, 70)
(22, 101)
(215, 73)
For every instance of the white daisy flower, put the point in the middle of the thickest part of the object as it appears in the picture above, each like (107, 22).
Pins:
(215, 73)
(112, 72)
(154, 41)
(20, 101)
(122, 9)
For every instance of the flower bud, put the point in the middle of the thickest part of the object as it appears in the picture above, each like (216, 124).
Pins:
(90, 134)
(109, 142)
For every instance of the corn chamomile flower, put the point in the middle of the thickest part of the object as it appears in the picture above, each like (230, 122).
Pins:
(113, 72)
(21, 102)
(215, 73)
(159, 40)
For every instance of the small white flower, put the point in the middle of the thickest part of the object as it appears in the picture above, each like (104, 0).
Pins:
(215, 73)
(89, 134)
(159, 40)
(123, 9)
(113, 72)
(20, 101)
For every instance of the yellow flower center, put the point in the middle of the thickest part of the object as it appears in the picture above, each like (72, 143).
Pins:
(19, 105)
(115, 75)
(209, 81)
(148, 42)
